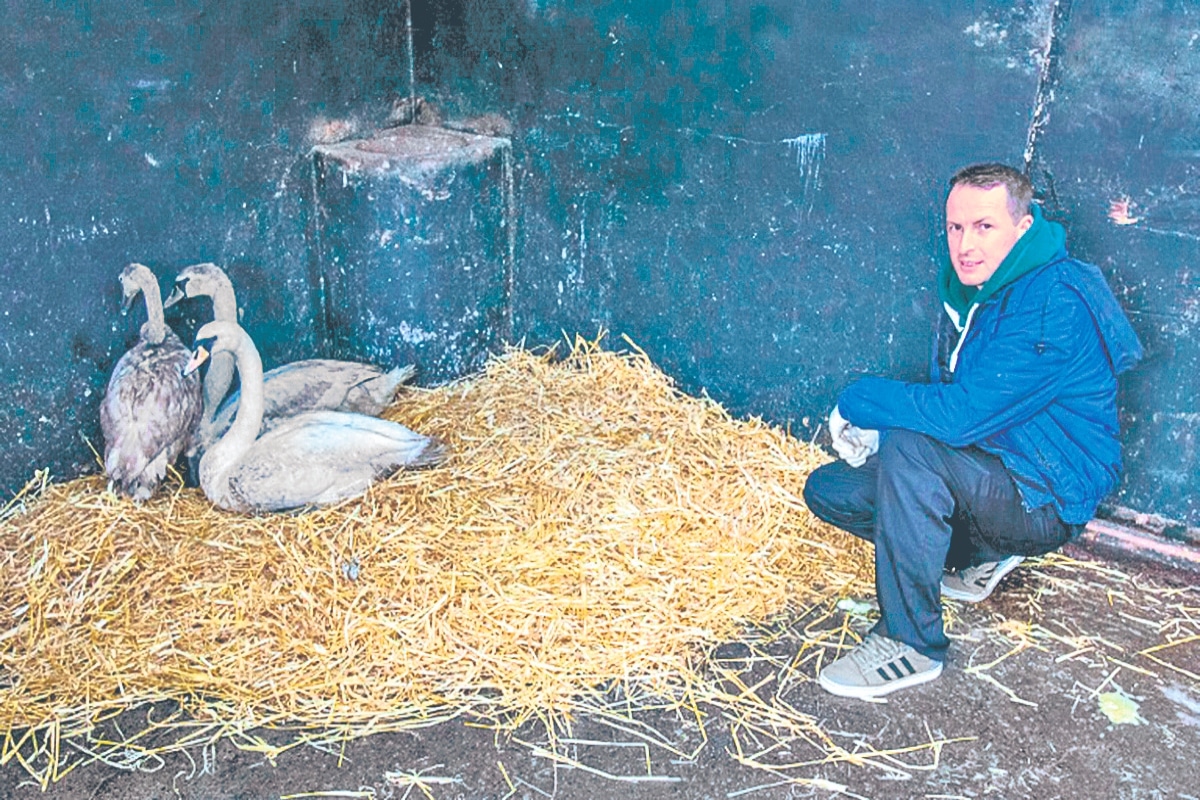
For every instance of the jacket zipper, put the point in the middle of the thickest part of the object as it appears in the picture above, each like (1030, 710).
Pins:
(962, 337)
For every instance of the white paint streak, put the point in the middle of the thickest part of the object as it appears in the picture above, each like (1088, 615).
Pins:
(810, 154)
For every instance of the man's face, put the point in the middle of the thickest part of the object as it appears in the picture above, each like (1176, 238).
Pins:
(980, 231)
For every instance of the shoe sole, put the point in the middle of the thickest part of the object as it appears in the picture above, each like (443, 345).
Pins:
(1001, 572)
(872, 692)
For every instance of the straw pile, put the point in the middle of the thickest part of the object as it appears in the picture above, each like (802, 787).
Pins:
(594, 527)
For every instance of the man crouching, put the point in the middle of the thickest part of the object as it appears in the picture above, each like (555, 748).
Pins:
(1005, 453)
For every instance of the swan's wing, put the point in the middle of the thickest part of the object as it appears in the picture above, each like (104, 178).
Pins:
(336, 438)
(325, 456)
(149, 413)
(301, 386)
(372, 396)
(313, 384)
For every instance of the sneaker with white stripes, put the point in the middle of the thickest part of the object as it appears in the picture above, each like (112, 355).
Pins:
(975, 584)
(877, 667)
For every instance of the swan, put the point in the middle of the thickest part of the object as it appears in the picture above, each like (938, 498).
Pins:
(150, 411)
(315, 383)
(310, 459)
(210, 280)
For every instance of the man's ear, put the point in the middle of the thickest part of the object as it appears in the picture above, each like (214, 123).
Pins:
(1024, 224)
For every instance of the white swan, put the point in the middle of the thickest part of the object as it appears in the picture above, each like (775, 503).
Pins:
(311, 384)
(210, 280)
(150, 410)
(311, 459)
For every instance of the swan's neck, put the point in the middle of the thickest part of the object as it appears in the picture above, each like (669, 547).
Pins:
(219, 377)
(224, 302)
(217, 381)
(155, 329)
(221, 457)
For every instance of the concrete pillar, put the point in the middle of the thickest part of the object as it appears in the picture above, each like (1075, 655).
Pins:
(413, 248)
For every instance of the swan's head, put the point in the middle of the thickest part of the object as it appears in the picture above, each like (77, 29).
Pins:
(133, 278)
(198, 280)
(213, 337)
(201, 352)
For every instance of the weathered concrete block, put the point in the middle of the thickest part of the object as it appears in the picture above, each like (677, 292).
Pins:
(413, 248)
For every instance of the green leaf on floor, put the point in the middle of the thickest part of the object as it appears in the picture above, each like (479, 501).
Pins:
(1120, 709)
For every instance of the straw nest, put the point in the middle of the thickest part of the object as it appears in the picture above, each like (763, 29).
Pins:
(594, 527)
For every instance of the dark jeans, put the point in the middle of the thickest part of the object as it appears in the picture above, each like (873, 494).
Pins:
(927, 506)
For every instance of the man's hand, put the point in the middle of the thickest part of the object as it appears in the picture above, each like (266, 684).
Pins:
(853, 445)
(866, 442)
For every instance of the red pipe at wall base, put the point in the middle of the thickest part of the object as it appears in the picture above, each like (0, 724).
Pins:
(1123, 543)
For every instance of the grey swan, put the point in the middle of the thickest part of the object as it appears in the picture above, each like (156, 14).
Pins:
(311, 459)
(150, 411)
(308, 385)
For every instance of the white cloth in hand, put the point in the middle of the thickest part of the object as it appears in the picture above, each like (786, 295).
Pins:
(867, 441)
(852, 444)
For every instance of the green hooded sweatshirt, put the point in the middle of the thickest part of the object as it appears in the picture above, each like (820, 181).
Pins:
(1041, 243)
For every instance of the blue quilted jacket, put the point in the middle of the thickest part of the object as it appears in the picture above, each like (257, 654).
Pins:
(1032, 378)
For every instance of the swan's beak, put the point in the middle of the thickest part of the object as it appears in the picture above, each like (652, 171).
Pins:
(127, 295)
(200, 354)
(178, 293)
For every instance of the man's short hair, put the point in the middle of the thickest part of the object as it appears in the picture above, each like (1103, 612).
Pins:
(986, 176)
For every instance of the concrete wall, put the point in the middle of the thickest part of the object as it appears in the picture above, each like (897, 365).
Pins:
(1124, 127)
(751, 191)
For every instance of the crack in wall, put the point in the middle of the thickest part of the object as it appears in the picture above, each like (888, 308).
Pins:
(1047, 80)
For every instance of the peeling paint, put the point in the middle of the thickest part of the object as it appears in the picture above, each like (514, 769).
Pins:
(1019, 37)
(1120, 211)
(413, 334)
(986, 32)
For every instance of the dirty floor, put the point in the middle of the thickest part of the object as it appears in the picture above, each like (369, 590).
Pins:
(1078, 679)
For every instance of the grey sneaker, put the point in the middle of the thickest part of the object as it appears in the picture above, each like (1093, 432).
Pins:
(974, 584)
(876, 667)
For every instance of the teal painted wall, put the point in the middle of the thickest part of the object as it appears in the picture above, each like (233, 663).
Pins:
(751, 191)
